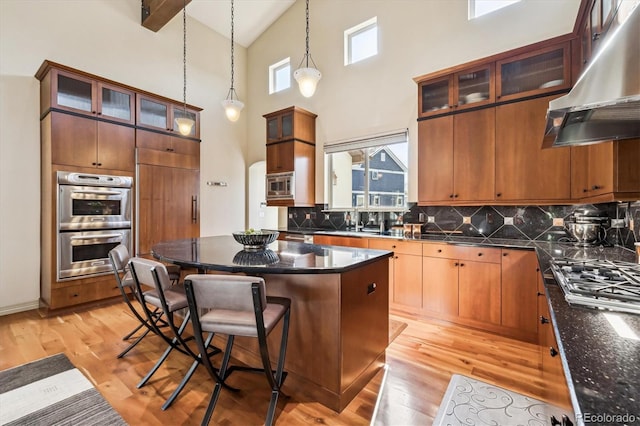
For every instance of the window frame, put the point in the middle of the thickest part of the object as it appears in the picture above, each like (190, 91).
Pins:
(273, 70)
(355, 31)
(472, 8)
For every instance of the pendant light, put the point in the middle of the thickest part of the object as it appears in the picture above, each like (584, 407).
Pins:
(306, 76)
(232, 107)
(184, 123)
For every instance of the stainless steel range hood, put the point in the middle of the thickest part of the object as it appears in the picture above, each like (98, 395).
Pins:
(604, 104)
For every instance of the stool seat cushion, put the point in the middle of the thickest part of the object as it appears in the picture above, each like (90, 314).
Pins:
(241, 323)
(175, 296)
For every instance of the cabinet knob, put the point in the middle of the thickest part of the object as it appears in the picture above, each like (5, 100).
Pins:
(450, 195)
(553, 351)
(99, 164)
(480, 254)
(395, 257)
(505, 254)
(585, 190)
(539, 294)
(456, 264)
(455, 195)
(499, 194)
(537, 269)
(461, 265)
(94, 164)
(393, 246)
(439, 250)
(596, 187)
(544, 320)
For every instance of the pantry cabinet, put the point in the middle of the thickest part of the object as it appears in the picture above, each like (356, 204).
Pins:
(291, 123)
(524, 171)
(457, 158)
(81, 142)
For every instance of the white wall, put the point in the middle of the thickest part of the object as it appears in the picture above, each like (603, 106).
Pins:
(378, 94)
(104, 37)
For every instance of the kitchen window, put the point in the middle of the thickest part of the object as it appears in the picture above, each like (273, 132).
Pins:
(368, 173)
(361, 41)
(280, 76)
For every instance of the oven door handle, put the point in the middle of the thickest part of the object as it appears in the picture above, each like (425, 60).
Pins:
(95, 192)
(96, 237)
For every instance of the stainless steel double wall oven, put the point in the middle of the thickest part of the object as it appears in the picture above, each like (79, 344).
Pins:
(94, 216)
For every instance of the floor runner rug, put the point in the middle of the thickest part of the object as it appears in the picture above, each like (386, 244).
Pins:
(51, 391)
(471, 402)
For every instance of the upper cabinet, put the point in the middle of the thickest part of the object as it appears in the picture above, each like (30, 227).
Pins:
(82, 94)
(291, 123)
(598, 18)
(160, 114)
(532, 73)
(534, 70)
(466, 89)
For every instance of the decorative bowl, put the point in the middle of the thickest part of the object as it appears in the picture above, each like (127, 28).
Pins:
(256, 257)
(256, 240)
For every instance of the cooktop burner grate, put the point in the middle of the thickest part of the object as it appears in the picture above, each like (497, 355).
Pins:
(596, 283)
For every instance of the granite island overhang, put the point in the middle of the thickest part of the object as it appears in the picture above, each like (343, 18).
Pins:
(339, 327)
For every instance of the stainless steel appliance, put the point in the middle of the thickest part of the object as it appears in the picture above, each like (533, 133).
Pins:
(280, 186)
(82, 253)
(587, 226)
(88, 201)
(603, 284)
(94, 216)
(604, 104)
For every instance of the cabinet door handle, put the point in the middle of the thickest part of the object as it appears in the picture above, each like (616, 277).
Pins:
(455, 195)
(505, 254)
(544, 320)
(439, 250)
(456, 264)
(480, 254)
(499, 194)
(539, 294)
(450, 195)
(461, 265)
(194, 209)
(585, 190)
(596, 187)
(553, 351)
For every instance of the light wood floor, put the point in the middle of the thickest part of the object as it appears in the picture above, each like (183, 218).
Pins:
(420, 363)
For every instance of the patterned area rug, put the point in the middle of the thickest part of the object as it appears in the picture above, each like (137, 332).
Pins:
(471, 402)
(51, 391)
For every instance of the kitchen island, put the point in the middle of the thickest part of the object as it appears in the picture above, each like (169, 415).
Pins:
(339, 308)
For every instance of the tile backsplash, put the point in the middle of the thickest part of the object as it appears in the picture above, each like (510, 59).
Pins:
(545, 223)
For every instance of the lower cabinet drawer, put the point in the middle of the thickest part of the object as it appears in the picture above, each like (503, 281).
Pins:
(82, 293)
(396, 246)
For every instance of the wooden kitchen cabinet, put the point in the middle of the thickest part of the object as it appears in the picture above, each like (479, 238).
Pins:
(291, 123)
(167, 143)
(84, 142)
(479, 291)
(468, 88)
(553, 379)
(440, 286)
(520, 293)
(64, 89)
(290, 147)
(405, 273)
(160, 114)
(456, 157)
(281, 156)
(535, 72)
(168, 204)
(525, 171)
(336, 240)
(606, 171)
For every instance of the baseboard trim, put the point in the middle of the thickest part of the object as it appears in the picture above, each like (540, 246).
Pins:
(13, 309)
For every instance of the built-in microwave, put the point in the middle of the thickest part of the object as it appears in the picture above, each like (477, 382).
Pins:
(280, 186)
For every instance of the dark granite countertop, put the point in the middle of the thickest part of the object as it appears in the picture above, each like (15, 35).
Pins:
(602, 367)
(224, 253)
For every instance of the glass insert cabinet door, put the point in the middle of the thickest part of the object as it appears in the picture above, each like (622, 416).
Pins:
(153, 113)
(280, 127)
(115, 103)
(543, 71)
(435, 96)
(75, 93)
(474, 87)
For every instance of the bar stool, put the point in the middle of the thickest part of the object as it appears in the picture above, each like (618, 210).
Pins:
(170, 299)
(119, 258)
(237, 306)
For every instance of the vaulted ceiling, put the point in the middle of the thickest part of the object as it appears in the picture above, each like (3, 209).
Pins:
(251, 17)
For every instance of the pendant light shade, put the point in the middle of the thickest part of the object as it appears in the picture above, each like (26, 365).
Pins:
(307, 77)
(232, 107)
(184, 124)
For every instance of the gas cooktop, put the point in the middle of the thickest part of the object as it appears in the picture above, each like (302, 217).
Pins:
(602, 284)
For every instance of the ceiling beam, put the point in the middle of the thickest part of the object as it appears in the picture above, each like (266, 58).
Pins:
(156, 13)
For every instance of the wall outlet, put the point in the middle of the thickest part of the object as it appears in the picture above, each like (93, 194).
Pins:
(558, 221)
(466, 219)
(508, 220)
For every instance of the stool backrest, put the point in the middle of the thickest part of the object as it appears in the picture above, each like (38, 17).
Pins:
(227, 292)
(144, 269)
(119, 257)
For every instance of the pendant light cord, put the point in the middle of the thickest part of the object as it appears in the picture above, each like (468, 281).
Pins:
(184, 55)
(307, 41)
(232, 50)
